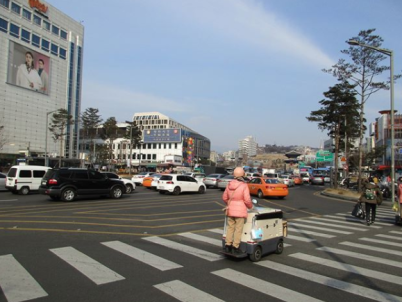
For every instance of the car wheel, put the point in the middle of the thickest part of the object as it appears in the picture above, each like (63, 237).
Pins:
(279, 247)
(129, 189)
(68, 194)
(116, 192)
(260, 194)
(176, 191)
(256, 255)
(24, 191)
(201, 190)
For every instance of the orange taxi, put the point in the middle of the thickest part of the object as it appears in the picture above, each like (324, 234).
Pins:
(150, 182)
(297, 179)
(270, 187)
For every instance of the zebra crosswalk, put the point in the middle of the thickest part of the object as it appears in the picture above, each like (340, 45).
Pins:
(360, 258)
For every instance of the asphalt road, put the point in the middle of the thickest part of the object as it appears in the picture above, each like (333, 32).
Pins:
(152, 247)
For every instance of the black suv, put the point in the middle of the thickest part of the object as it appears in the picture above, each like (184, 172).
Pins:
(67, 183)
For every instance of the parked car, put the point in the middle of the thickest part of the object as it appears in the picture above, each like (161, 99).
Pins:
(196, 175)
(224, 181)
(176, 184)
(151, 182)
(297, 179)
(211, 180)
(305, 177)
(271, 187)
(287, 180)
(317, 180)
(138, 178)
(23, 179)
(68, 183)
(3, 182)
(130, 185)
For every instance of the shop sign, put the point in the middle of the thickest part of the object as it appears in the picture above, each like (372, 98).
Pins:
(38, 5)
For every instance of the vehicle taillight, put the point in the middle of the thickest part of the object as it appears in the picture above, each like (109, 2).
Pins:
(52, 181)
(170, 182)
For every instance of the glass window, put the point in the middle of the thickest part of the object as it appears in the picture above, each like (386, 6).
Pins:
(3, 25)
(14, 30)
(35, 40)
(16, 8)
(25, 173)
(38, 173)
(62, 53)
(45, 45)
(55, 30)
(27, 14)
(63, 34)
(54, 49)
(37, 20)
(46, 25)
(5, 3)
(25, 35)
(81, 174)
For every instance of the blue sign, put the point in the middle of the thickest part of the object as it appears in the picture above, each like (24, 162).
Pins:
(162, 136)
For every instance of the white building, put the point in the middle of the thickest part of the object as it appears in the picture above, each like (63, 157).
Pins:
(229, 155)
(248, 146)
(163, 139)
(34, 31)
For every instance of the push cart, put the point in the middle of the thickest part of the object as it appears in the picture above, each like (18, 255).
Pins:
(263, 233)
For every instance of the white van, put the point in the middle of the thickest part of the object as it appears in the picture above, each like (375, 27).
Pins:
(24, 178)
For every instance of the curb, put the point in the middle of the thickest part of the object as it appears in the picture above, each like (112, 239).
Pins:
(351, 198)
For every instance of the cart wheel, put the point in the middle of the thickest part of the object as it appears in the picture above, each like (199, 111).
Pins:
(256, 255)
(279, 247)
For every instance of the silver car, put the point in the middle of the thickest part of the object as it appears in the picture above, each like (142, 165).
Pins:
(211, 180)
(224, 181)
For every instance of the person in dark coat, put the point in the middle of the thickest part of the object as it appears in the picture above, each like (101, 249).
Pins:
(372, 197)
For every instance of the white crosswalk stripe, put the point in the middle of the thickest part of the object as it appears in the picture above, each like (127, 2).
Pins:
(143, 256)
(371, 248)
(186, 293)
(185, 248)
(350, 218)
(331, 282)
(336, 225)
(393, 237)
(298, 238)
(349, 268)
(92, 269)
(273, 290)
(291, 230)
(201, 238)
(301, 225)
(381, 241)
(17, 284)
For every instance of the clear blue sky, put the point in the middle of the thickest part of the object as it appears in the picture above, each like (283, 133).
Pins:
(227, 68)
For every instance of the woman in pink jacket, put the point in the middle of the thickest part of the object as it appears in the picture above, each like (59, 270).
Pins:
(238, 200)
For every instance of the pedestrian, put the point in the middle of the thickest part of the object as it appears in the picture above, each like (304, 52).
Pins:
(372, 197)
(238, 200)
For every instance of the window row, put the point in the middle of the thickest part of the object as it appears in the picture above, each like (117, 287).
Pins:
(125, 146)
(135, 156)
(37, 20)
(32, 38)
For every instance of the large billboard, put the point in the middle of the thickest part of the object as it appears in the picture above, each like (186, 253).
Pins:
(28, 68)
(162, 136)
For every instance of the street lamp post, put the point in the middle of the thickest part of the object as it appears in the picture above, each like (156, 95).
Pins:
(131, 145)
(46, 130)
(389, 53)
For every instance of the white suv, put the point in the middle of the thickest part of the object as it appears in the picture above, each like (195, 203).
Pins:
(130, 186)
(176, 183)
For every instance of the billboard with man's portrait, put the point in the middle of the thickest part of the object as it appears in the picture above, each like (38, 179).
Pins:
(28, 68)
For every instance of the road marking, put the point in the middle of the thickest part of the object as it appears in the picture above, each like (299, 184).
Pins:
(17, 284)
(349, 218)
(381, 241)
(292, 224)
(273, 290)
(331, 282)
(389, 237)
(217, 231)
(201, 238)
(143, 256)
(349, 268)
(357, 219)
(396, 232)
(186, 293)
(184, 248)
(335, 225)
(95, 271)
(298, 238)
(371, 248)
(361, 256)
(340, 222)
(310, 233)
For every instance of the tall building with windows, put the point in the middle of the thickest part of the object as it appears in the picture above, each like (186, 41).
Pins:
(41, 56)
(248, 146)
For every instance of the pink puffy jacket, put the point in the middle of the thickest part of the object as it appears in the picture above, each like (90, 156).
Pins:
(241, 200)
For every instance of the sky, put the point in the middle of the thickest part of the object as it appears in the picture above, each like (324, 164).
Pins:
(227, 68)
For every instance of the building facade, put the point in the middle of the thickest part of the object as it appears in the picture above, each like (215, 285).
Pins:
(164, 141)
(248, 146)
(41, 57)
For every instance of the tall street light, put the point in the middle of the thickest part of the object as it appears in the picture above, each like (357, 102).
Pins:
(131, 145)
(389, 53)
(46, 130)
